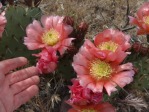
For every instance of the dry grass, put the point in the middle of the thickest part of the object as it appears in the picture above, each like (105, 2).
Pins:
(99, 14)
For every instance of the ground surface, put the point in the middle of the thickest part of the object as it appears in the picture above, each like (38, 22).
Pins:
(99, 14)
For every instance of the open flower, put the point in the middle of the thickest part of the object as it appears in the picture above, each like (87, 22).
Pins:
(54, 33)
(47, 61)
(142, 19)
(95, 72)
(113, 43)
(3, 22)
(83, 96)
(101, 107)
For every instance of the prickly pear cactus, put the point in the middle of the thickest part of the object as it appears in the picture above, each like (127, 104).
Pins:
(64, 67)
(141, 80)
(11, 44)
(140, 59)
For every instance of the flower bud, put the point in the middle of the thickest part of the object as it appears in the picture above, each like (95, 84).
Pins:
(68, 20)
(83, 27)
(144, 50)
(136, 46)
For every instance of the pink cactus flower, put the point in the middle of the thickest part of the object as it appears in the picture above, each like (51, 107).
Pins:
(113, 43)
(142, 19)
(94, 71)
(47, 61)
(83, 96)
(3, 21)
(54, 33)
(101, 107)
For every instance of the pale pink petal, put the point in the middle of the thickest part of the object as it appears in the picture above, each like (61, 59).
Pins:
(85, 52)
(110, 87)
(33, 46)
(123, 78)
(127, 38)
(79, 59)
(112, 56)
(88, 44)
(99, 86)
(47, 21)
(121, 55)
(129, 73)
(3, 22)
(68, 29)
(62, 50)
(133, 20)
(98, 39)
(118, 37)
(58, 45)
(80, 70)
(92, 86)
(1, 5)
(37, 26)
(85, 80)
(65, 30)
(99, 54)
(32, 33)
(67, 42)
(57, 20)
(109, 34)
(126, 66)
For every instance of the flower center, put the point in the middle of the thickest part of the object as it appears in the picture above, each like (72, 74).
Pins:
(51, 37)
(100, 69)
(110, 45)
(88, 110)
(146, 20)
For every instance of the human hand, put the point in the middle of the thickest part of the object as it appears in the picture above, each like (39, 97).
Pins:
(16, 88)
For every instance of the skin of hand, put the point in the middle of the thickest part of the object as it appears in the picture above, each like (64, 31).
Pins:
(16, 88)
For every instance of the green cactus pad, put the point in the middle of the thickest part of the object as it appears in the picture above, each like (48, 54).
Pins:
(141, 78)
(11, 44)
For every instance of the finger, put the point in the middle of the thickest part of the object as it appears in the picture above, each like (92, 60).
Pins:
(25, 95)
(2, 108)
(22, 75)
(2, 77)
(11, 64)
(22, 85)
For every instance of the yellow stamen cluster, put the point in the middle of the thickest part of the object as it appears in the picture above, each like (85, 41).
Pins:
(146, 20)
(51, 37)
(100, 69)
(110, 45)
(88, 110)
